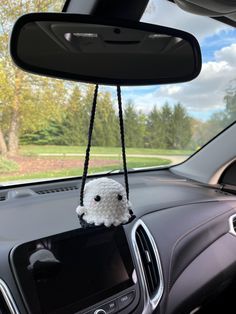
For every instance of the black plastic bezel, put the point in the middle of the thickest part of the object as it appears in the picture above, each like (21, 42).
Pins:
(28, 289)
(66, 17)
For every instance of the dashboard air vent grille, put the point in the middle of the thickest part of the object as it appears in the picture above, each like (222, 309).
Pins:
(59, 189)
(148, 260)
(3, 305)
(234, 223)
(2, 198)
(7, 303)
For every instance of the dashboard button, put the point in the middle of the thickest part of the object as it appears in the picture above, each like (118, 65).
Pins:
(110, 307)
(125, 300)
(100, 311)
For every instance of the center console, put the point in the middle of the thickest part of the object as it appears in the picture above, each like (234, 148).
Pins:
(80, 271)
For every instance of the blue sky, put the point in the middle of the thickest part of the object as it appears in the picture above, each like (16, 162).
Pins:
(204, 95)
(217, 41)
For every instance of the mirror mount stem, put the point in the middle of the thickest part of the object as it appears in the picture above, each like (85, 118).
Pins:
(119, 9)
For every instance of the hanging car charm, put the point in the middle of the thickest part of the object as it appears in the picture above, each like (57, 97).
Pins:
(103, 201)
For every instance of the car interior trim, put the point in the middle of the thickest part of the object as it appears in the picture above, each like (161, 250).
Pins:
(231, 225)
(216, 177)
(8, 298)
(150, 303)
(199, 167)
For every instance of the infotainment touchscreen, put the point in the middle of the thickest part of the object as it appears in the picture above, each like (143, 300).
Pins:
(74, 270)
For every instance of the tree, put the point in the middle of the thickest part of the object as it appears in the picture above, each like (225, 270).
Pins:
(5, 94)
(181, 129)
(155, 134)
(166, 118)
(75, 120)
(106, 127)
(52, 135)
(230, 103)
(134, 126)
(74, 127)
(18, 87)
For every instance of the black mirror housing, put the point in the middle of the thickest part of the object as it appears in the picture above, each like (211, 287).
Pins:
(97, 50)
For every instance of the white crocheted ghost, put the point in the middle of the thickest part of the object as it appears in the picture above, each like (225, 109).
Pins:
(105, 203)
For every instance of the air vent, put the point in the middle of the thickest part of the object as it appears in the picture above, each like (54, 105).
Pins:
(232, 224)
(7, 303)
(149, 264)
(148, 260)
(2, 198)
(57, 190)
(3, 305)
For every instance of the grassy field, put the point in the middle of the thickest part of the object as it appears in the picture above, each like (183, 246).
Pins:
(68, 172)
(38, 162)
(31, 150)
(7, 165)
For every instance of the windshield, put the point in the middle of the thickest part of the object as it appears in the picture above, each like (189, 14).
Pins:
(44, 122)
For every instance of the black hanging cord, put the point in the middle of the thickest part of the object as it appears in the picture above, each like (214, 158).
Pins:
(122, 138)
(90, 132)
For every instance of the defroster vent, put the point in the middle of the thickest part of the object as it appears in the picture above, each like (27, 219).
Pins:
(58, 189)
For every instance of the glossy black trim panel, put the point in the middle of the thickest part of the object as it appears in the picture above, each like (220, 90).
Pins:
(66, 17)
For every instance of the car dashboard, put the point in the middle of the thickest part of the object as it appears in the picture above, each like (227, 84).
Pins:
(178, 251)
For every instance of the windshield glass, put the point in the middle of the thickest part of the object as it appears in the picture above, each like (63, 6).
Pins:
(44, 122)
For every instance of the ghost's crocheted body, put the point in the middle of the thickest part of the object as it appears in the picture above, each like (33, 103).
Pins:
(105, 203)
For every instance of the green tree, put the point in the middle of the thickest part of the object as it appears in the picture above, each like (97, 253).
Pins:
(18, 84)
(75, 120)
(52, 135)
(134, 126)
(166, 116)
(181, 127)
(106, 126)
(155, 133)
(230, 103)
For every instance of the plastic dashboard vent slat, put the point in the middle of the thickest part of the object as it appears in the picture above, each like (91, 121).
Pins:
(234, 223)
(57, 190)
(3, 305)
(2, 198)
(148, 260)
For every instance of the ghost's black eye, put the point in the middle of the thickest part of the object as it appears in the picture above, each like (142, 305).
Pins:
(119, 197)
(97, 198)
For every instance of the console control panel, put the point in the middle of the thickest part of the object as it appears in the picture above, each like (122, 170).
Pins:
(115, 305)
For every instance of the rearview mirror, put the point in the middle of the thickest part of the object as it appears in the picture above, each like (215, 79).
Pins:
(88, 49)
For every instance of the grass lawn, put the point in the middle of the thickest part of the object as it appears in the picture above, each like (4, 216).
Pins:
(7, 165)
(31, 150)
(31, 164)
(68, 172)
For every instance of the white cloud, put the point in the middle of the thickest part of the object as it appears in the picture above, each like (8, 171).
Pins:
(168, 14)
(228, 54)
(205, 93)
(171, 89)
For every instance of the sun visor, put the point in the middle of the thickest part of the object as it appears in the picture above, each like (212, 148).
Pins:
(212, 8)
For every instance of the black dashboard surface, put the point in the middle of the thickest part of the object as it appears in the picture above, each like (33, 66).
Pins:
(185, 218)
(32, 216)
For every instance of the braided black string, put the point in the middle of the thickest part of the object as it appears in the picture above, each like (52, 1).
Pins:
(90, 132)
(122, 138)
(87, 156)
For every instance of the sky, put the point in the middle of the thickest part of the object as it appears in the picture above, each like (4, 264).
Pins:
(204, 95)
